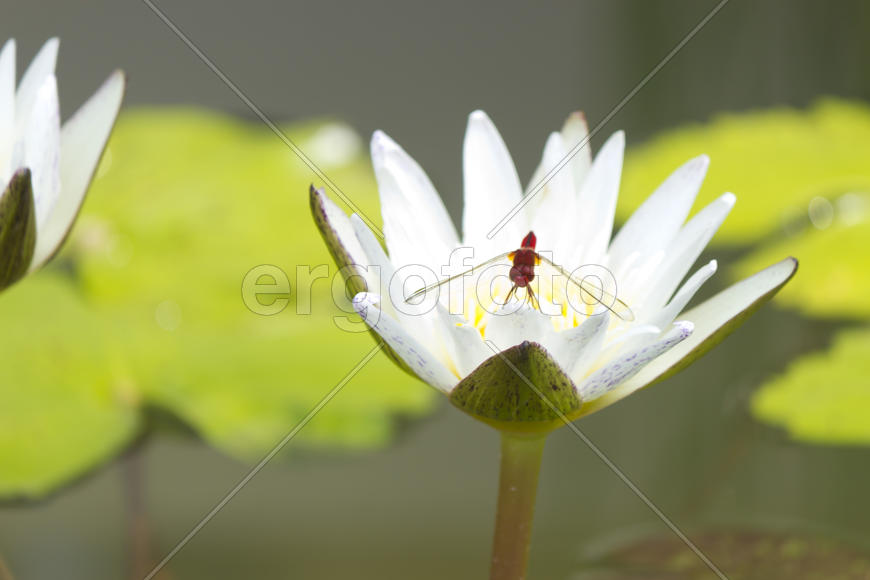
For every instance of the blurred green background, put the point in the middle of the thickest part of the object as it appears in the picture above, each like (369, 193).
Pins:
(140, 327)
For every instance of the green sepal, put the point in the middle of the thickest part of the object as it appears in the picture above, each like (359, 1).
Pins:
(17, 228)
(333, 243)
(343, 259)
(499, 394)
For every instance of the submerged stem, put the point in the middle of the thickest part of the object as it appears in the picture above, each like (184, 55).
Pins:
(518, 484)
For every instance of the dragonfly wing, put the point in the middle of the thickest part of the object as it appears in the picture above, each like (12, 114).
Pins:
(468, 272)
(594, 292)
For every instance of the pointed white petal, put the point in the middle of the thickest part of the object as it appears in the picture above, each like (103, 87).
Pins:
(636, 334)
(575, 135)
(554, 152)
(517, 322)
(630, 363)
(537, 176)
(430, 326)
(491, 187)
(41, 151)
(379, 268)
(597, 201)
(82, 140)
(343, 239)
(669, 313)
(424, 364)
(378, 272)
(685, 249)
(7, 109)
(577, 347)
(471, 351)
(655, 223)
(713, 319)
(555, 203)
(34, 77)
(575, 138)
(417, 227)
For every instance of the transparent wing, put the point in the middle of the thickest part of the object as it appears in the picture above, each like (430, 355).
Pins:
(594, 292)
(468, 272)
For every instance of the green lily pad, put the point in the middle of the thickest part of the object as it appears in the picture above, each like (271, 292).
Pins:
(193, 220)
(68, 399)
(834, 278)
(823, 397)
(776, 161)
(185, 205)
(739, 554)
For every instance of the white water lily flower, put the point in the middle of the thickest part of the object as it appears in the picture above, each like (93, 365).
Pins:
(45, 169)
(582, 359)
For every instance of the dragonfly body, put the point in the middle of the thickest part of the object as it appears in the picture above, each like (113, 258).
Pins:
(522, 272)
(524, 261)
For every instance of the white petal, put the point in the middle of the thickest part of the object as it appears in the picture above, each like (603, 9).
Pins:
(372, 254)
(685, 249)
(629, 364)
(636, 335)
(517, 322)
(554, 152)
(597, 199)
(669, 313)
(537, 176)
(341, 225)
(417, 227)
(471, 351)
(553, 202)
(655, 223)
(575, 136)
(708, 318)
(41, 151)
(7, 109)
(415, 355)
(431, 326)
(34, 77)
(491, 188)
(577, 347)
(82, 140)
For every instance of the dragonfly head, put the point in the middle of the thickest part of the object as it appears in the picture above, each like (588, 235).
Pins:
(529, 241)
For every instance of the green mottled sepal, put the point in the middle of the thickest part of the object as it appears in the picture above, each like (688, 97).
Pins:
(520, 389)
(339, 253)
(17, 228)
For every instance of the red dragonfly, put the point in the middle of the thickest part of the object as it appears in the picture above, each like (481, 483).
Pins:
(522, 273)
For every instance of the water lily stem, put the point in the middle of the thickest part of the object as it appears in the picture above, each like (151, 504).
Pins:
(139, 561)
(518, 485)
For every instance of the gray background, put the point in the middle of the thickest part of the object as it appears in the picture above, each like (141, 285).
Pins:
(416, 69)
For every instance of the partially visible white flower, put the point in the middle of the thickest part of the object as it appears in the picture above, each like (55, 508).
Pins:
(582, 359)
(45, 169)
